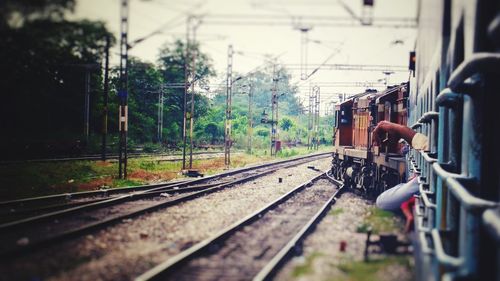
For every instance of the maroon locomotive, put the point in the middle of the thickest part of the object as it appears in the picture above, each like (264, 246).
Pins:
(357, 162)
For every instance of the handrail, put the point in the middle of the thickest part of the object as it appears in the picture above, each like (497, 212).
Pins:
(468, 200)
(478, 62)
(494, 28)
(447, 98)
(425, 246)
(416, 125)
(421, 227)
(442, 256)
(442, 173)
(418, 213)
(428, 117)
(428, 158)
(491, 221)
(423, 194)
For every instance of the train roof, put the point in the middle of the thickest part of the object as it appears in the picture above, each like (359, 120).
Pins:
(351, 99)
(386, 94)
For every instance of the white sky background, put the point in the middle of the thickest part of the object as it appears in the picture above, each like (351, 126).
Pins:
(356, 45)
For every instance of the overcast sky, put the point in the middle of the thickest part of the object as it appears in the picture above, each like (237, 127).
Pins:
(258, 27)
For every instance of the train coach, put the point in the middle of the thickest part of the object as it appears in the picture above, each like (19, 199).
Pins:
(356, 161)
(454, 82)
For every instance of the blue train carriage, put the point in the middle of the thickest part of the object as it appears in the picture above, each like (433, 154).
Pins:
(455, 77)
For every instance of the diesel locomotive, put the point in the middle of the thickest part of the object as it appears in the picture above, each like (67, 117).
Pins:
(361, 165)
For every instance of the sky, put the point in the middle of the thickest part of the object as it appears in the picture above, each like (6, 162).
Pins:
(258, 29)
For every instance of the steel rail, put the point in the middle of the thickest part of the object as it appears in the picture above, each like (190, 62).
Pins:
(271, 268)
(17, 250)
(62, 207)
(13, 204)
(99, 157)
(133, 195)
(162, 270)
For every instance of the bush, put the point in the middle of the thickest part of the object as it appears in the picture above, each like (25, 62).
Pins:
(287, 152)
(151, 147)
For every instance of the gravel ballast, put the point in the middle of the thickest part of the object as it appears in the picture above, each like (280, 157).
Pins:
(245, 252)
(322, 258)
(132, 247)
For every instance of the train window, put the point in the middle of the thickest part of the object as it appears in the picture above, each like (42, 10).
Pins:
(346, 116)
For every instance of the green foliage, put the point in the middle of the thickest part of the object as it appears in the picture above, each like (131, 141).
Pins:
(151, 147)
(378, 221)
(285, 152)
(336, 212)
(45, 58)
(307, 267)
(262, 132)
(286, 123)
(213, 131)
(368, 271)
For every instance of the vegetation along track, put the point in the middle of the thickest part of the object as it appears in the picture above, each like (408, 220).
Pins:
(256, 246)
(26, 234)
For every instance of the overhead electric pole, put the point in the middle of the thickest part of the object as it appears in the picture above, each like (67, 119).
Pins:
(193, 82)
(186, 85)
(303, 51)
(250, 117)
(227, 125)
(160, 115)
(318, 111)
(122, 93)
(274, 112)
(105, 100)
(310, 119)
(317, 97)
(86, 113)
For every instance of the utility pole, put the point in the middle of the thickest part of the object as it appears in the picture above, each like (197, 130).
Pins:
(387, 77)
(186, 76)
(86, 112)
(227, 125)
(310, 119)
(274, 112)
(122, 93)
(303, 52)
(250, 117)
(105, 100)
(160, 115)
(193, 81)
(316, 89)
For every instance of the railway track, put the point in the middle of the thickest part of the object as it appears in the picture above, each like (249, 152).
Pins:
(17, 209)
(256, 246)
(32, 232)
(96, 157)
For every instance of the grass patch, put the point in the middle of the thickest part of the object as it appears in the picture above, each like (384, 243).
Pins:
(336, 212)
(378, 221)
(367, 271)
(125, 182)
(306, 268)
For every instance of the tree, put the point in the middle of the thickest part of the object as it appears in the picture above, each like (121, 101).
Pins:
(171, 60)
(14, 13)
(214, 131)
(45, 59)
(286, 123)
